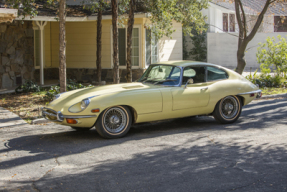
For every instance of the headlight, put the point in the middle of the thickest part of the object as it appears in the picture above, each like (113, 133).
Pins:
(85, 103)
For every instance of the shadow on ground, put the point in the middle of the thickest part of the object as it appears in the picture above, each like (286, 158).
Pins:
(208, 167)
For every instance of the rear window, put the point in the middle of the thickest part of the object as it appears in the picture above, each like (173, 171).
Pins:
(214, 74)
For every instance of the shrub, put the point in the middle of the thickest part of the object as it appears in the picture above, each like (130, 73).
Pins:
(272, 55)
(267, 80)
(28, 86)
(54, 90)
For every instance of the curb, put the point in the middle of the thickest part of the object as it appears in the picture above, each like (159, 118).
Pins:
(283, 95)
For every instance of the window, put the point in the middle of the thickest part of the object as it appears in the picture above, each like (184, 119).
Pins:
(150, 48)
(225, 22)
(214, 74)
(228, 22)
(231, 22)
(37, 48)
(196, 73)
(280, 24)
(162, 75)
(122, 46)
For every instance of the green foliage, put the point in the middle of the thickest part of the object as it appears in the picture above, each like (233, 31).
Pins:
(71, 85)
(271, 55)
(199, 50)
(186, 12)
(267, 80)
(28, 86)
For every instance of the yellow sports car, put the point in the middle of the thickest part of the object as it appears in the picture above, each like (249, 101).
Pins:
(166, 90)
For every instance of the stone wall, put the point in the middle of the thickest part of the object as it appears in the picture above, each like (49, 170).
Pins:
(16, 53)
(87, 75)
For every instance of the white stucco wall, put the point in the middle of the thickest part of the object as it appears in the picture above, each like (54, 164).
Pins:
(171, 49)
(222, 49)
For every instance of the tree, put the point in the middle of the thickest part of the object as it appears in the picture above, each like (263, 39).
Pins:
(244, 37)
(162, 15)
(129, 39)
(273, 55)
(116, 75)
(62, 42)
(99, 41)
(29, 8)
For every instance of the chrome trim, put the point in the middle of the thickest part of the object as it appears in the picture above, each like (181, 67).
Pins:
(57, 114)
(247, 93)
(78, 116)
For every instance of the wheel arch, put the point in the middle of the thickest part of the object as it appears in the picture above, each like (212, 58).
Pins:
(132, 110)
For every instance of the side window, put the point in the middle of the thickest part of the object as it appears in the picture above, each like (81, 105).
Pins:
(196, 73)
(214, 74)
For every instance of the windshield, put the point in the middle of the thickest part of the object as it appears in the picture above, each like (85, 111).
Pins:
(162, 75)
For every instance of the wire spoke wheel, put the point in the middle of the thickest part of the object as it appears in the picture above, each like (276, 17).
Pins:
(229, 107)
(115, 120)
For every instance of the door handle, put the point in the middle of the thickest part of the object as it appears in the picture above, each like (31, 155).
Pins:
(203, 89)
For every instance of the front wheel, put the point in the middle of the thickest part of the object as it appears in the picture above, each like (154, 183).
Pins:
(114, 122)
(228, 109)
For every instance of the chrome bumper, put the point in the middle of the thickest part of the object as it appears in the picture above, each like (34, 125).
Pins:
(59, 116)
(258, 93)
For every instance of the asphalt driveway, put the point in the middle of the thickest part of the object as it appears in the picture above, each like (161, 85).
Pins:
(190, 154)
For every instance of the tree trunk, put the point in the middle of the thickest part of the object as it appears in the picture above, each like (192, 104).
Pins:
(129, 41)
(99, 44)
(241, 63)
(115, 41)
(62, 52)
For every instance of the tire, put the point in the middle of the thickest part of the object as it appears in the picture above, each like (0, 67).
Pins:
(228, 109)
(114, 122)
(81, 129)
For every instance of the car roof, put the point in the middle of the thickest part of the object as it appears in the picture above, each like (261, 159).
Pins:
(184, 63)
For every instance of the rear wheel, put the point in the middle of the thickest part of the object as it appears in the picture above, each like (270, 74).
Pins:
(228, 109)
(114, 122)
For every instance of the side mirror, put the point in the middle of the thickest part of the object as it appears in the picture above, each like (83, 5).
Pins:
(189, 81)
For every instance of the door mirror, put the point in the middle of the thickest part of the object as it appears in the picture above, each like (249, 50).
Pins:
(189, 81)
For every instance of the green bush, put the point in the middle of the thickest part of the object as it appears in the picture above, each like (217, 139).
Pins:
(272, 55)
(267, 80)
(71, 85)
(28, 86)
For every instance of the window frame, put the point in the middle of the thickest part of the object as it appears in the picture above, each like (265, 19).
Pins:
(140, 47)
(157, 50)
(206, 72)
(35, 51)
(228, 22)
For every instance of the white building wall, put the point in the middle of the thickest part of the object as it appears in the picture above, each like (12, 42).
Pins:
(222, 49)
(171, 49)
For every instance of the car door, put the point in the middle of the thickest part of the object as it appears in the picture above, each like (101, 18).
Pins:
(193, 95)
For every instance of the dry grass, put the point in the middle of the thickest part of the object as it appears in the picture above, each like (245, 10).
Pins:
(26, 105)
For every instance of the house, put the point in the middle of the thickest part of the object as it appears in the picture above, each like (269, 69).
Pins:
(28, 44)
(222, 35)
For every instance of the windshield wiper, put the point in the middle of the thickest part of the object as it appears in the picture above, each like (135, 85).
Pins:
(149, 79)
(166, 80)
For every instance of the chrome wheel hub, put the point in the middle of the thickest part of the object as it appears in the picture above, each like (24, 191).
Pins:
(115, 120)
(229, 107)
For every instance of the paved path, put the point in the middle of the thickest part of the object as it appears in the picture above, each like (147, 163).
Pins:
(9, 119)
(190, 154)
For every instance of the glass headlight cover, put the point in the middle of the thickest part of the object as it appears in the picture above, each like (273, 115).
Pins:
(85, 103)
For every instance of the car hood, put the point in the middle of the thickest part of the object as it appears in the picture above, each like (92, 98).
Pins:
(75, 96)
